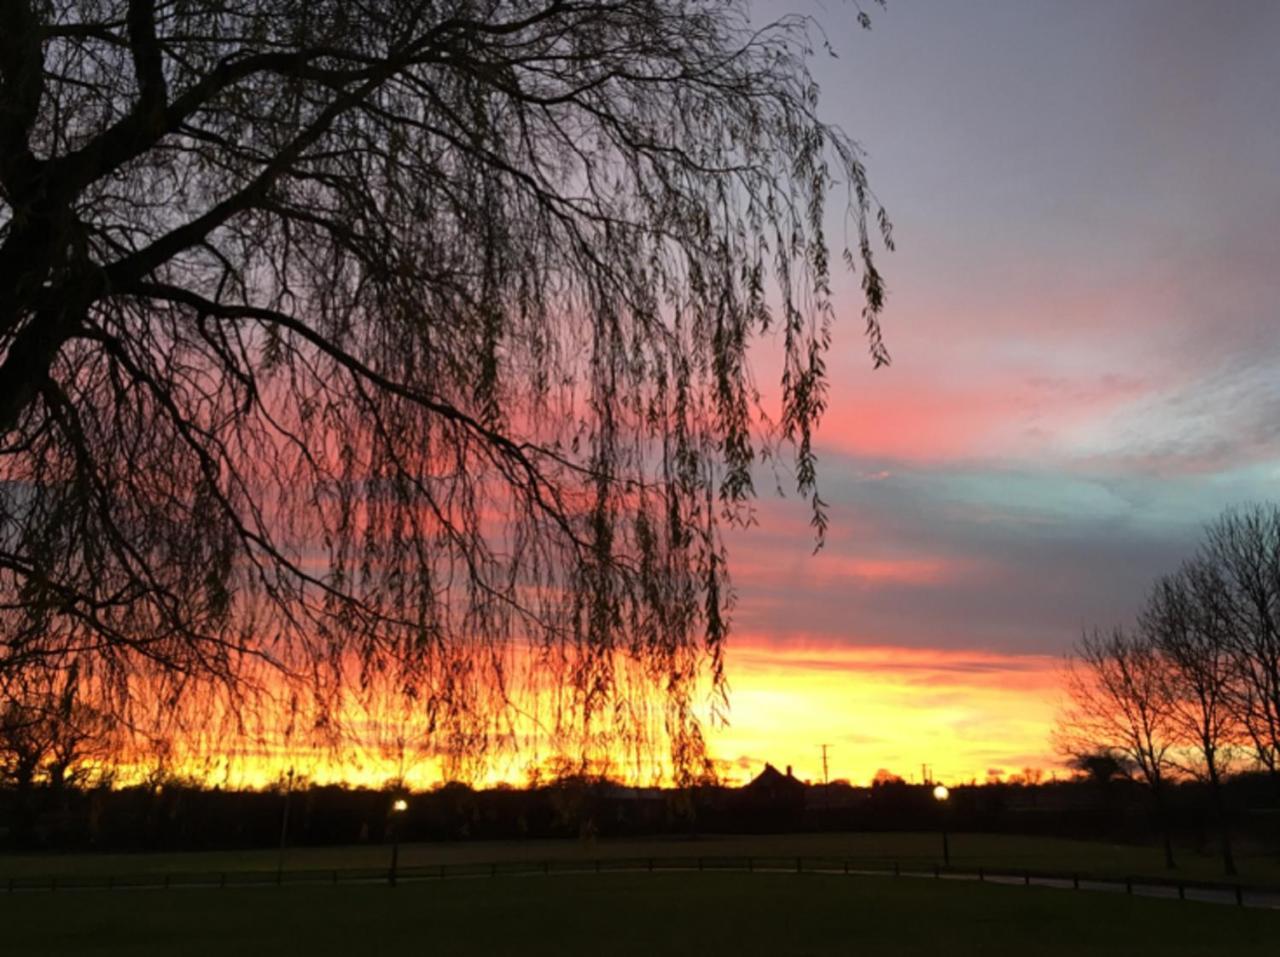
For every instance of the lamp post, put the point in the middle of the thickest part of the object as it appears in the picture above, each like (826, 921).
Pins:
(398, 807)
(284, 827)
(942, 794)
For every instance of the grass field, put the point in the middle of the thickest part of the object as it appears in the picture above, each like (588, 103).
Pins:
(622, 914)
(967, 851)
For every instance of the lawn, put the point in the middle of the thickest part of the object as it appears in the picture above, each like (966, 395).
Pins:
(921, 850)
(621, 914)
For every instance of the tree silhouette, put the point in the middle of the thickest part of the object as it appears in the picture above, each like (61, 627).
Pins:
(53, 735)
(1120, 704)
(1185, 617)
(1181, 692)
(407, 333)
(1243, 548)
(1101, 766)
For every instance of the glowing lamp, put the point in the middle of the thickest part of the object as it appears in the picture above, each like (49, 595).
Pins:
(941, 793)
(399, 804)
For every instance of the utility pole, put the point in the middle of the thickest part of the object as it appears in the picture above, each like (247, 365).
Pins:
(824, 747)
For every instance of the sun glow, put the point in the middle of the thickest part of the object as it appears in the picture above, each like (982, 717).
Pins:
(966, 715)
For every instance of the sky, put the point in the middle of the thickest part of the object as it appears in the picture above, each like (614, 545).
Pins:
(1084, 317)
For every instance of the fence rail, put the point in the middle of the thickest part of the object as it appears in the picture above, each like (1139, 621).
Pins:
(1181, 888)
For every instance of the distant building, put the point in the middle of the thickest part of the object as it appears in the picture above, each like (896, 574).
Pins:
(773, 789)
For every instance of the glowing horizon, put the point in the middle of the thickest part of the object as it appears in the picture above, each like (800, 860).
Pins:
(968, 715)
(963, 713)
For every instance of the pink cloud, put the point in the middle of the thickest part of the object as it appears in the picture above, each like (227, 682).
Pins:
(917, 417)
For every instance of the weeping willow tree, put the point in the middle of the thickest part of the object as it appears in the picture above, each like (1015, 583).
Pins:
(403, 338)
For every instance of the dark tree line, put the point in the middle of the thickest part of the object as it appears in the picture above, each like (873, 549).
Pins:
(405, 338)
(1192, 688)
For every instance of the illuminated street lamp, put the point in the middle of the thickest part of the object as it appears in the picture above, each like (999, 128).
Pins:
(941, 794)
(398, 807)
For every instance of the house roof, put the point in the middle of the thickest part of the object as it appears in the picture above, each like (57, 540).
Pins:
(771, 779)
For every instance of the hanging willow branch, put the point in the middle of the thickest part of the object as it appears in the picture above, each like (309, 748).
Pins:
(408, 335)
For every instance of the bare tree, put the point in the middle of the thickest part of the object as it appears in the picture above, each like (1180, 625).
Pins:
(1119, 704)
(25, 742)
(1186, 618)
(1243, 548)
(53, 736)
(405, 332)
(51, 731)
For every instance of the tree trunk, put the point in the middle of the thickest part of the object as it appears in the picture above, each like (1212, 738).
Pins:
(1162, 815)
(1224, 829)
(25, 812)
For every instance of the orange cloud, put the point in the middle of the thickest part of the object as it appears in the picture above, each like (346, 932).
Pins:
(960, 712)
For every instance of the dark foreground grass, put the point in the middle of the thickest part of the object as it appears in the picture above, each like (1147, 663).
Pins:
(625, 914)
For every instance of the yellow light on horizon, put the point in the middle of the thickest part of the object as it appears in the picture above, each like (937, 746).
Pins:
(400, 805)
(941, 793)
(781, 696)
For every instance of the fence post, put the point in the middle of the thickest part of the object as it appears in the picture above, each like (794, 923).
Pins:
(846, 865)
(896, 871)
(1075, 882)
(798, 867)
(1128, 885)
(1240, 895)
(1182, 891)
(1026, 878)
(981, 876)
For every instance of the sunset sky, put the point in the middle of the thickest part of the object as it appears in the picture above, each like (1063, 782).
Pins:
(1084, 323)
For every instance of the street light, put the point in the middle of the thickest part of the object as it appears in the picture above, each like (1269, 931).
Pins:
(284, 826)
(941, 794)
(398, 807)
